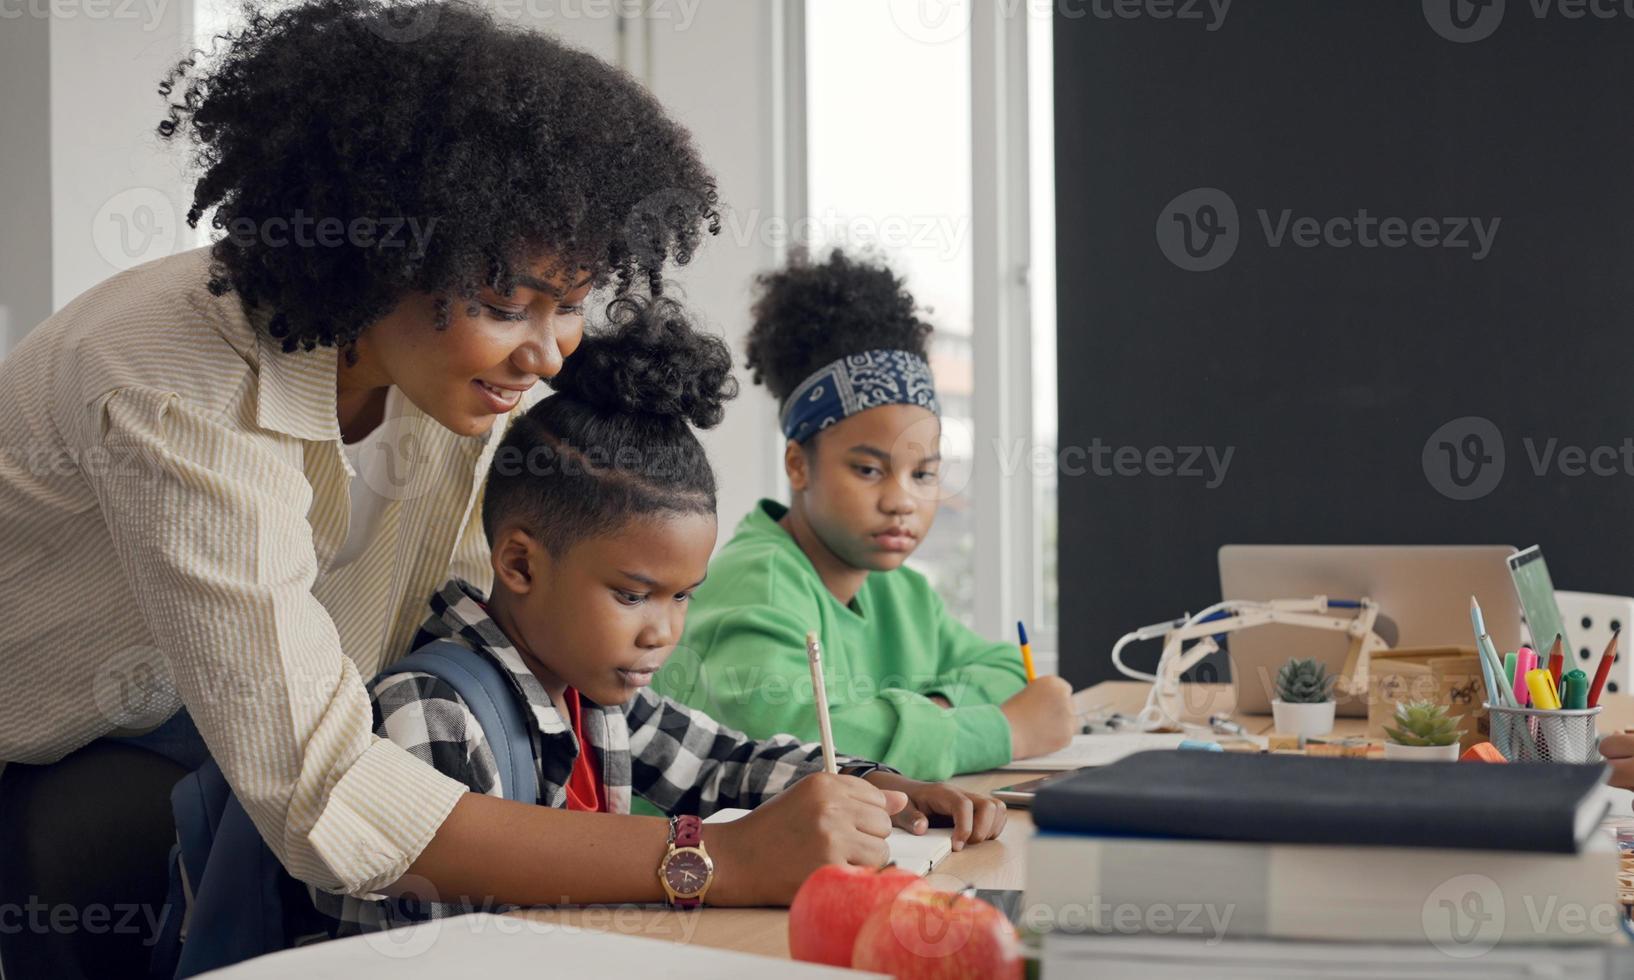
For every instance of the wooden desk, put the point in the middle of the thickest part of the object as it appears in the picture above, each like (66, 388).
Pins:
(1198, 701)
(999, 863)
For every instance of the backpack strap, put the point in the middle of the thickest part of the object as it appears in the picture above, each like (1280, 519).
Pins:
(229, 881)
(226, 877)
(491, 698)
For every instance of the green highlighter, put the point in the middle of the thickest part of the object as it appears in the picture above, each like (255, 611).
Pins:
(1577, 690)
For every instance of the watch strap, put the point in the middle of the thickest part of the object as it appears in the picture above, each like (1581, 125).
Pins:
(861, 769)
(686, 831)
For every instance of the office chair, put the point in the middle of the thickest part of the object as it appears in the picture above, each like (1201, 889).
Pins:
(83, 849)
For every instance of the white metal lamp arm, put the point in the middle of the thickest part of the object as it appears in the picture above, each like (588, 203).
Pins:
(1231, 616)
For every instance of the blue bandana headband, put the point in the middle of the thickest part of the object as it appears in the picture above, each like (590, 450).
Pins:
(857, 383)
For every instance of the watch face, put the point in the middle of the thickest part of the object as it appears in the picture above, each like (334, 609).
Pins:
(687, 871)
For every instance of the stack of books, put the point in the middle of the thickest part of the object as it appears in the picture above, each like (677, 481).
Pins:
(1186, 864)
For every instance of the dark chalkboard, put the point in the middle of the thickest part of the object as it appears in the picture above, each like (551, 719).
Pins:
(1227, 280)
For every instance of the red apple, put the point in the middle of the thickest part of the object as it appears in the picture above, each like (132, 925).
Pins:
(831, 905)
(926, 933)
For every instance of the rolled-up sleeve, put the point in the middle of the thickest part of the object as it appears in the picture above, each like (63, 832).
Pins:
(209, 524)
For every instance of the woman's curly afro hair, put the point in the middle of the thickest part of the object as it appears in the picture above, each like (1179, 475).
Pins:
(498, 147)
(615, 442)
(809, 314)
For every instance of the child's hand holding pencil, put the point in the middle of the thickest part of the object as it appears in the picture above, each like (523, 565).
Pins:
(763, 858)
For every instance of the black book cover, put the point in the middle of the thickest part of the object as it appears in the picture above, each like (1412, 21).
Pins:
(1289, 799)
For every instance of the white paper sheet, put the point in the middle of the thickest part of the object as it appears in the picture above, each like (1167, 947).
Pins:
(1097, 750)
(484, 945)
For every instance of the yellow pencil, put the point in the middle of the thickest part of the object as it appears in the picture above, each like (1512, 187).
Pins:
(1026, 653)
(819, 696)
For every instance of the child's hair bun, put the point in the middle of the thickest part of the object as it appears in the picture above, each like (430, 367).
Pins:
(813, 312)
(649, 359)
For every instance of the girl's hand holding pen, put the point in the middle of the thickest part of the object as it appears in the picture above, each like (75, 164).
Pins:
(1041, 717)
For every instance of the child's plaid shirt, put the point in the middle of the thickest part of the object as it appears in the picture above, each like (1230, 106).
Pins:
(679, 759)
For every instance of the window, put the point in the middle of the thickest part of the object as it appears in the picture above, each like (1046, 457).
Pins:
(1041, 281)
(889, 168)
(898, 130)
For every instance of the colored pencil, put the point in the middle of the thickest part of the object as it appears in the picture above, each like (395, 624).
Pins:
(1603, 671)
(819, 696)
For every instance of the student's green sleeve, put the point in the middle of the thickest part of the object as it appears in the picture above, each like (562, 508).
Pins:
(975, 670)
(755, 677)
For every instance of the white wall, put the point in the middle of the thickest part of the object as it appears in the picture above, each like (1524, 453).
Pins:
(712, 63)
(88, 189)
(593, 26)
(25, 162)
(118, 193)
(82, 99)
(719, 75)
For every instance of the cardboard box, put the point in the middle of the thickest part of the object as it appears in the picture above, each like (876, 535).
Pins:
(1446, 675)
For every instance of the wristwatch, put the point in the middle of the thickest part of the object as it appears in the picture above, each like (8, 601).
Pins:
(862, 770)
(687, 870)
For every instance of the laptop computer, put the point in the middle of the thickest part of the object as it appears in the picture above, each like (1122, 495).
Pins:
(1422, 592)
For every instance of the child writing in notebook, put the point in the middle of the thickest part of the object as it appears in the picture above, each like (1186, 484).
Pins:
(840, 346)
(600, 514)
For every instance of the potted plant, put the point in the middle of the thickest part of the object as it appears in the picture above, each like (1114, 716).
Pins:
(1424, 732)
(1304, 702)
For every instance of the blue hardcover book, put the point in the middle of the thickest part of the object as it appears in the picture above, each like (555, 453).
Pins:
(1288, 799)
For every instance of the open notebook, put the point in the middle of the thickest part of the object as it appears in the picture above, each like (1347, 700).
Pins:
(919, 854)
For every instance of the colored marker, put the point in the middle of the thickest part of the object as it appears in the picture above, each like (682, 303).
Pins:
(1026, 653)
(1509, 669)
(1542, 687)
(1525, 662)
(1577, 690)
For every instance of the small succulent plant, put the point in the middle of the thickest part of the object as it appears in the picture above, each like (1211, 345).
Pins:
(1304, 682)
(1423, 723)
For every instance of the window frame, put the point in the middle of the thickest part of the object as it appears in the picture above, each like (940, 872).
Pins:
(1008, 535)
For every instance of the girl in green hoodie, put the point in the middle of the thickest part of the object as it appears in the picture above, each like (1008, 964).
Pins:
(840, 346)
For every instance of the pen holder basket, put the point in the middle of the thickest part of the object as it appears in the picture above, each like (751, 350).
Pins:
(1536, 735)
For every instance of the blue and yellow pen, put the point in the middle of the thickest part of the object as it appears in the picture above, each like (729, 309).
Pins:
(1026, 653)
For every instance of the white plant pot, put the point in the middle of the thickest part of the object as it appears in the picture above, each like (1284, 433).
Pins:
(1421, 753)
(1310, 720)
